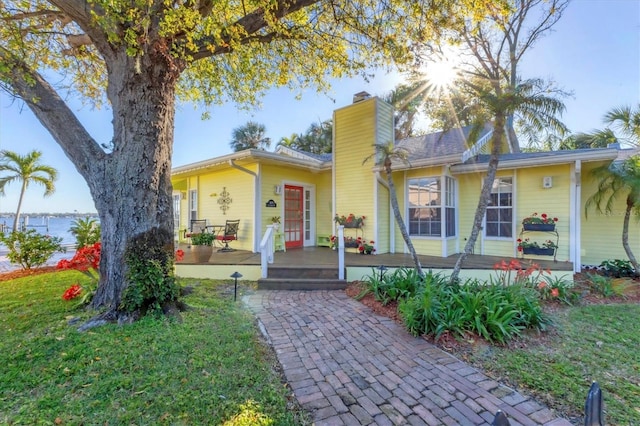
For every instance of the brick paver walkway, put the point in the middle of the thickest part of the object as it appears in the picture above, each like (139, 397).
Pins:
(348, 366)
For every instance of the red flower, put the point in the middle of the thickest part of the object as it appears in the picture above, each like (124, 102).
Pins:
(179, 255)
(72, 292)
(555, 292)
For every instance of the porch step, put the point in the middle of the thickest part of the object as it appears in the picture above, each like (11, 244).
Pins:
(301, 284)
(302, 278)
(300, 272)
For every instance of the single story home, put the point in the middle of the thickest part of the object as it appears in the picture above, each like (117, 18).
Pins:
(437, 189)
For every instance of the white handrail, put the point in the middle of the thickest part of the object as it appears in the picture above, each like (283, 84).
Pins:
(341, 252)
(267, 248)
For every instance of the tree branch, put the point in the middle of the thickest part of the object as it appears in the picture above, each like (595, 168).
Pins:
(250, 24)
(53, 113)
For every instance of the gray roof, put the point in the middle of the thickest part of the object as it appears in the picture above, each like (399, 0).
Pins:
(484, 158)
(440, 144)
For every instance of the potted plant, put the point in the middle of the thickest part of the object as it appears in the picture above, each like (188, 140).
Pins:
(542, 222)
(532, 247)
(275, 220)
(351, 221)
(366, 247)
(202, 246)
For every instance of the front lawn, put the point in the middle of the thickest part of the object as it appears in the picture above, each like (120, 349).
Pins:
(211, 368)
(589, 343)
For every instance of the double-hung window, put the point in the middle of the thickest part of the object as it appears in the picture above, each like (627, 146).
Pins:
(499, 216)
(193, 204)
(431, 207)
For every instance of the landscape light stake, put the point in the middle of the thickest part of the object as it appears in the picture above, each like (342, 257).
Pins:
(382, 270)
(235, 276)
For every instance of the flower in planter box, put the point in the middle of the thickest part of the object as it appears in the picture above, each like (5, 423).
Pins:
(542, 219)
(352, 220)
(366, 247)
(549, 244)
(526, 243)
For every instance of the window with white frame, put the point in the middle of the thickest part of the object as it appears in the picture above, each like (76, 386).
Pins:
(431, 207)
(499, 216)
(193, 204)
(176, 212)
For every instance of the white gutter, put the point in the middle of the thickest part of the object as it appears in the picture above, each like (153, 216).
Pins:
(256, 200)
(600, 155)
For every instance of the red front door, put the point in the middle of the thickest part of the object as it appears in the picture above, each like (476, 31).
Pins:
(293, 216)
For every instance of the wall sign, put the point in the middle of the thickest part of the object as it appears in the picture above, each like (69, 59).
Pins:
(271, 203)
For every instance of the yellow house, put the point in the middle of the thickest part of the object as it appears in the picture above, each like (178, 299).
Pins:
(437, 190)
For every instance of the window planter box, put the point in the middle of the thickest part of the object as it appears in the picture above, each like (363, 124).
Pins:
(538, 251)
(540, 227)
(352, 225)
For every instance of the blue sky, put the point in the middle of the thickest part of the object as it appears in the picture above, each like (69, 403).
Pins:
(594, 52)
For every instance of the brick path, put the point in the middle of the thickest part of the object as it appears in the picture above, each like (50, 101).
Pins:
(348, 366)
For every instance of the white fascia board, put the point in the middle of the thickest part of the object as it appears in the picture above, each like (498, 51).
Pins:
(255, 154)
(522, 163)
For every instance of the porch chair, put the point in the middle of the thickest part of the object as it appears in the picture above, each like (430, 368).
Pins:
(230, 233)
(198, 226)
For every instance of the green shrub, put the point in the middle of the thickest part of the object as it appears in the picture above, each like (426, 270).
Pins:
(151, 284)
(29, 248)
(86, 231)
(617, 268)
(400, 284)
(496, 312)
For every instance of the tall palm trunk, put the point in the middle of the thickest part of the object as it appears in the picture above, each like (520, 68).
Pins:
(16, 220)
(485, 194)
(396, 213)
(625, 234)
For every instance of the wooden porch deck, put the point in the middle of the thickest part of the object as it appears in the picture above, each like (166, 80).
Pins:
(324, 256)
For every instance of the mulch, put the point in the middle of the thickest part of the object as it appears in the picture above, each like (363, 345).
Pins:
(20, 273)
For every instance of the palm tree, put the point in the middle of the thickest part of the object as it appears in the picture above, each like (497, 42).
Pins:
(386, 154)
(25, 169)
(249, 136)
(406, 99)
(530, 102)
(619, 179)
(594, 139)
(627, 121)
(289, 142)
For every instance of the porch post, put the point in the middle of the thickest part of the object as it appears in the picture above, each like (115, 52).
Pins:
(341, 252)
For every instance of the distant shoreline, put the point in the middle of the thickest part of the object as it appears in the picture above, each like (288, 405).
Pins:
(7, 215)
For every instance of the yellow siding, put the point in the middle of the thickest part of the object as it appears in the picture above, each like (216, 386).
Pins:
(601, 232)
(240, 187)
(469, 186)
(279, 175)
(356, 131)
(383, 238)
(531, 198)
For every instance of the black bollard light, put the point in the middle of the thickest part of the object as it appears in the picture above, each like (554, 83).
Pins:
(382, 270)
(235, 276)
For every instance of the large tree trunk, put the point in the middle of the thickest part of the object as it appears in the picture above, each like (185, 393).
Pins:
(133, 194)
(130, 186)
(485, 194)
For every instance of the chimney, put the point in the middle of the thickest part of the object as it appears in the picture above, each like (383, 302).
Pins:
(360, 96)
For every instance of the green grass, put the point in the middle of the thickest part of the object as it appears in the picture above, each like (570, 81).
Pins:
(593, 343)
(211, 368)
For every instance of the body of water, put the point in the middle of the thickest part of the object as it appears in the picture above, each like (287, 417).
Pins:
(56, 226)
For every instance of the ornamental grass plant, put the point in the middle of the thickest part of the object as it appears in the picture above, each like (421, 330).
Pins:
(211, 368)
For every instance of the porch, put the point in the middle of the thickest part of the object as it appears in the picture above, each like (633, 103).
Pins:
(222, 264)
